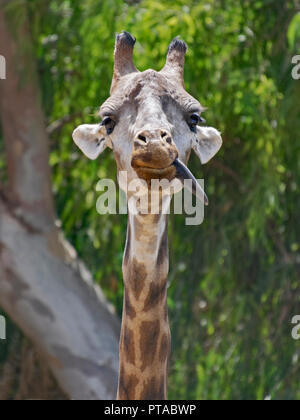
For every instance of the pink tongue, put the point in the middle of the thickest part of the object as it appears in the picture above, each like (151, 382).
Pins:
(184, 173)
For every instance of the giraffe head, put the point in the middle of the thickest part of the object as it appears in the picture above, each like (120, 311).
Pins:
(149, 121)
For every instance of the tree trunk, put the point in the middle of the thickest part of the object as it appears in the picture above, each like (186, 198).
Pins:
(44, 288)
(24, 374)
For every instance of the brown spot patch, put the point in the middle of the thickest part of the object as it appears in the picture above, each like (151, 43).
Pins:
(137, 277)
(154, 389)
(149, 332)
(129, 309)
(127, 385)
(155, 295)
(128, 342)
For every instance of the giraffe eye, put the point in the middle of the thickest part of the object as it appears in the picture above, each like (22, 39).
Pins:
(109, 125)
(194, 120)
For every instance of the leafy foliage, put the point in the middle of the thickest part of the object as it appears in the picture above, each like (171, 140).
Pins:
(234, 281)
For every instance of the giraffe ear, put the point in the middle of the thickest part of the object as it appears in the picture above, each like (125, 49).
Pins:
(91, 139)
(206, 143)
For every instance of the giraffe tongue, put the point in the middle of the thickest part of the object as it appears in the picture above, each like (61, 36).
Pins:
(194, 187)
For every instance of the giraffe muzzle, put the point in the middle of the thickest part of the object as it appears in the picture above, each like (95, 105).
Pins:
(154, 152)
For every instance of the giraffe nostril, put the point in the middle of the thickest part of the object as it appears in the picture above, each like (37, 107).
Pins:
(142, 138)
(169, 140)
(163, 134)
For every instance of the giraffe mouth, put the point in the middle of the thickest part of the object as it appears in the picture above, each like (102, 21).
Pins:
(149, 173)
(156, 171)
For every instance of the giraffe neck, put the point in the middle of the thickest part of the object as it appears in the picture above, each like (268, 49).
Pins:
(145, 332)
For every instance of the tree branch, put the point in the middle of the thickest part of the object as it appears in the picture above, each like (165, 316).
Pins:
(57, 125)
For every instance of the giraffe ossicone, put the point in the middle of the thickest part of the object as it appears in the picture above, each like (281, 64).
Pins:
(151, 124)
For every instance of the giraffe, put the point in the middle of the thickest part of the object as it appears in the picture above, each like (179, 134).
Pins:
(151, 124)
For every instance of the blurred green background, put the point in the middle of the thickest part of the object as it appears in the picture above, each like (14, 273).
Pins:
(234, 280)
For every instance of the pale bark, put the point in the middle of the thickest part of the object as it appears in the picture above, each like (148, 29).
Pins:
(44, 288)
